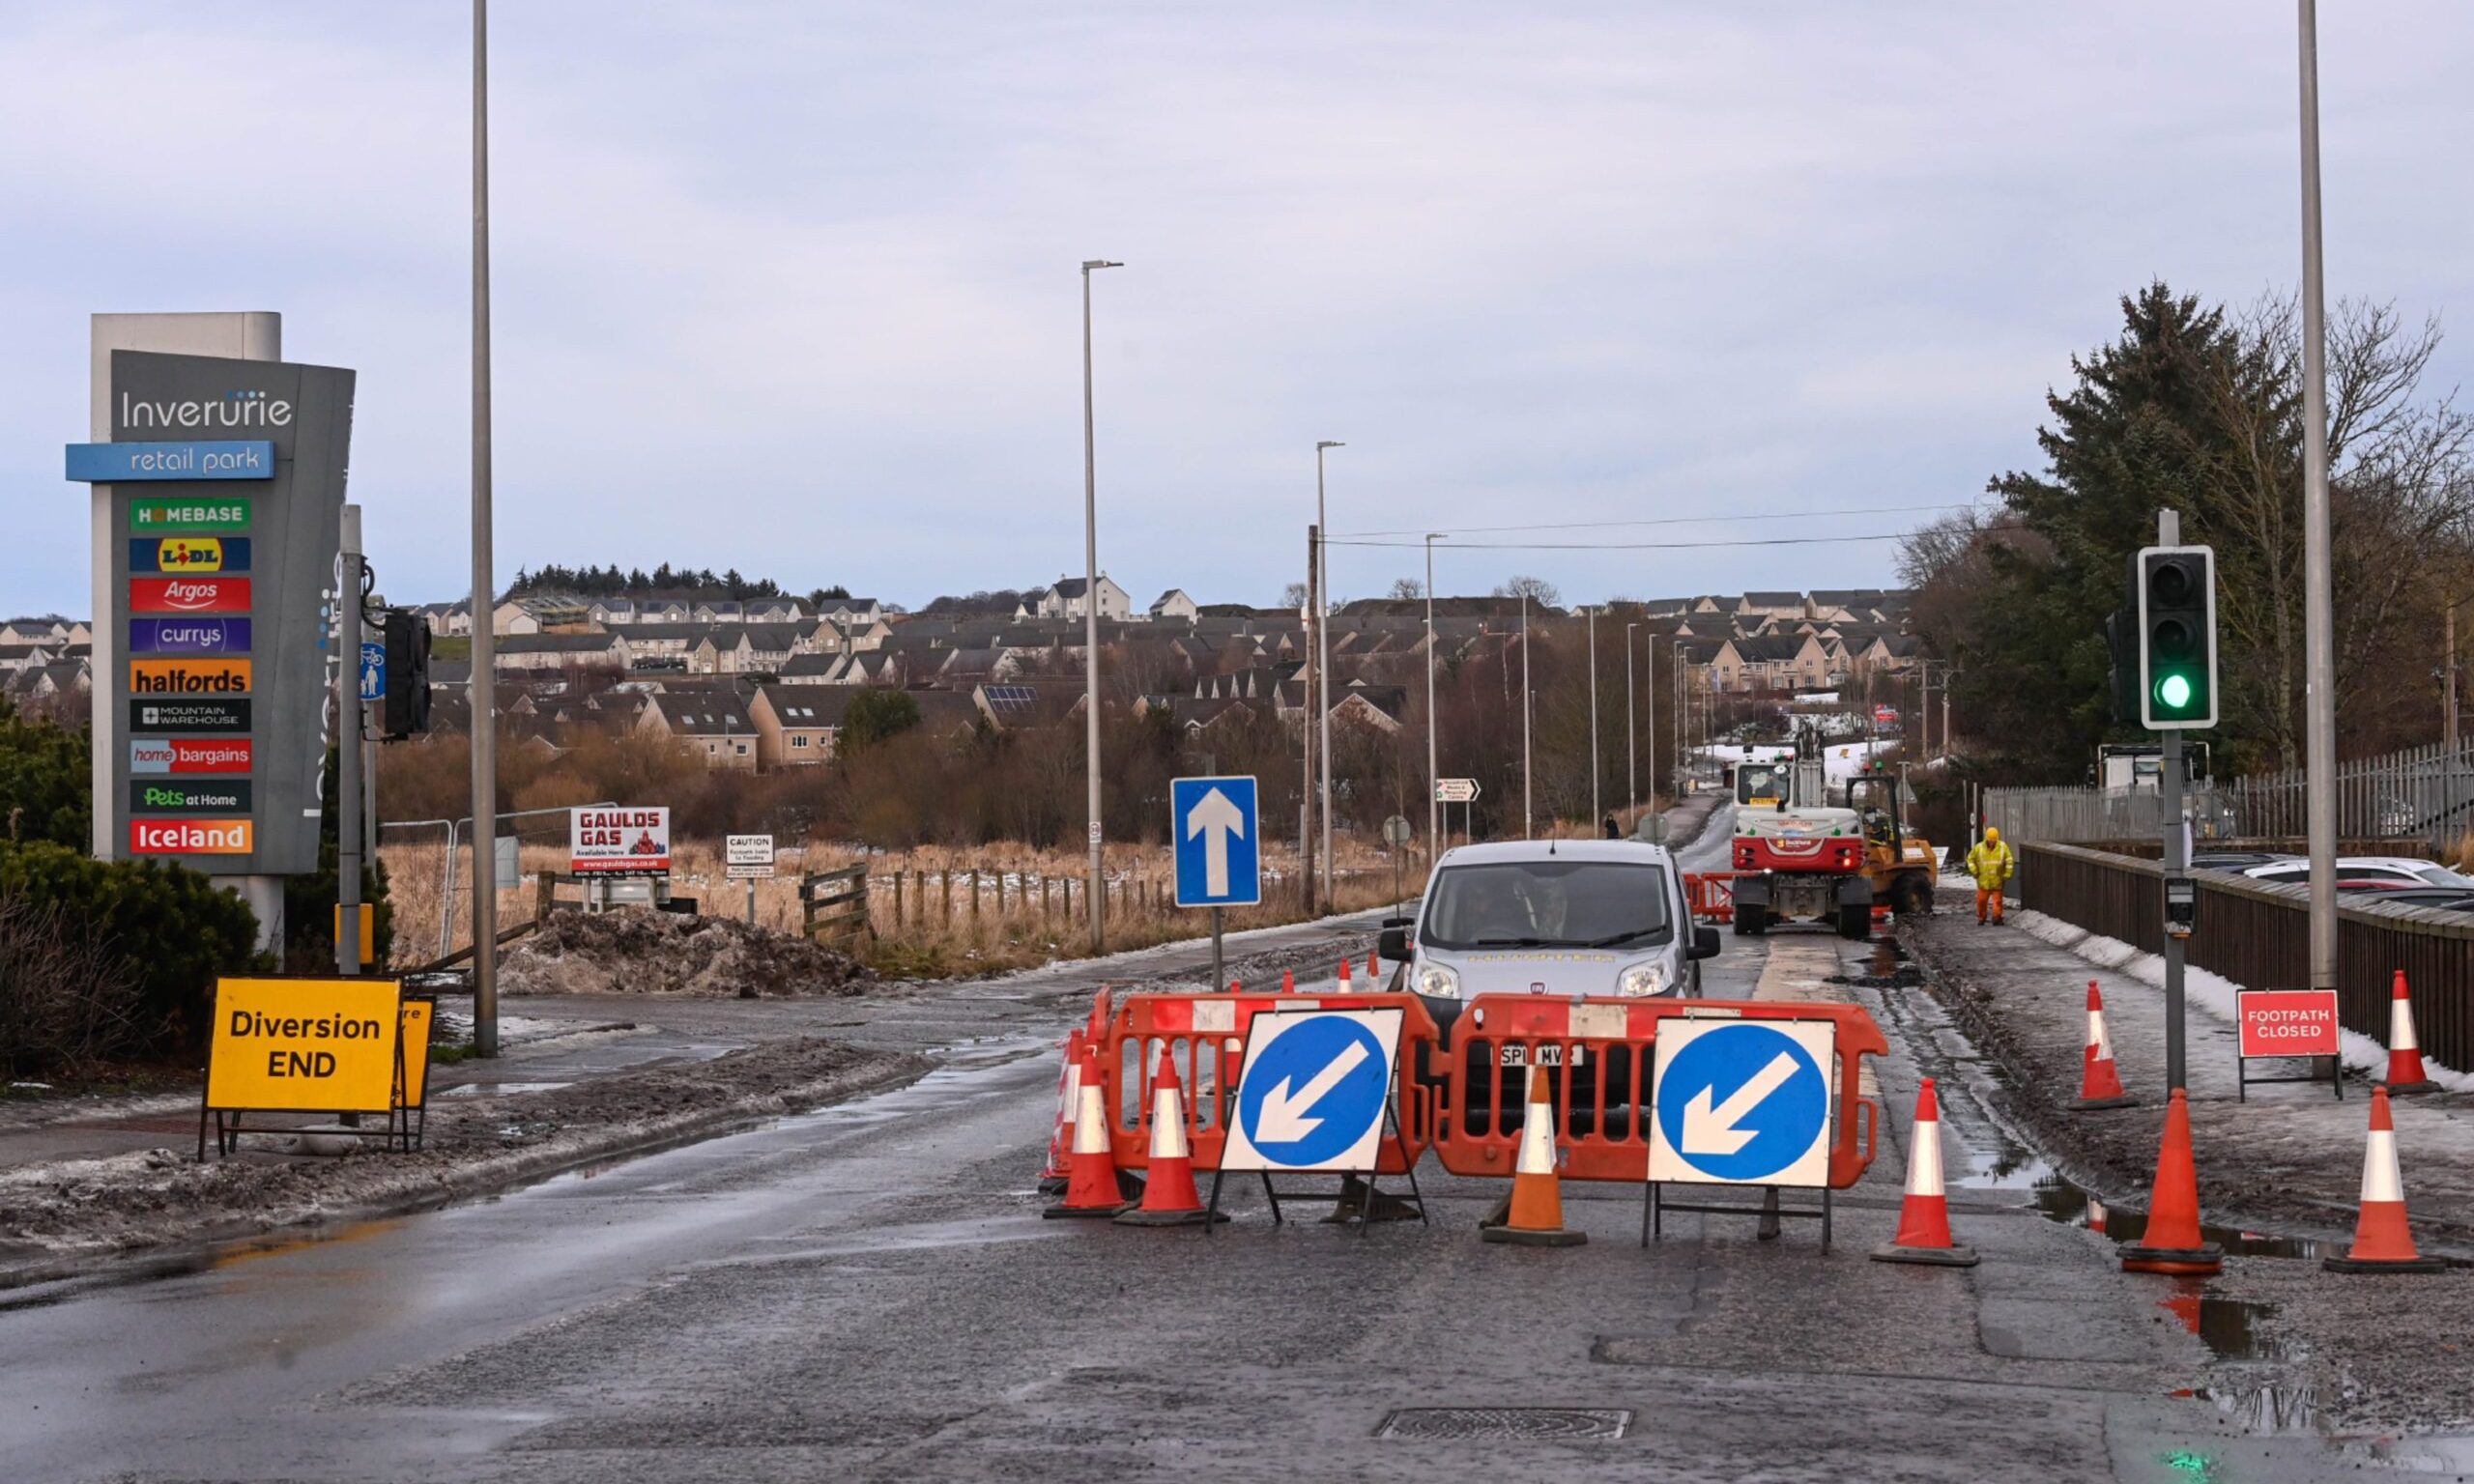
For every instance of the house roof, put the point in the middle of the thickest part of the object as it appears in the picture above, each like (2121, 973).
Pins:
(704, 713)
(557, 644)
(807, 707)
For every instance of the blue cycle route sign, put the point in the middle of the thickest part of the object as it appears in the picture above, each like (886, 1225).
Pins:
(373, 672)
(1743, 1102)
(1314, 1089)
(1217, 833)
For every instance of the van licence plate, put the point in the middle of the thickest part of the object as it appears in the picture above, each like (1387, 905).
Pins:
(1548, 1055)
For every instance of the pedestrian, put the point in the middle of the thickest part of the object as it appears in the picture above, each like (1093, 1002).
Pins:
(1992, 863)
(1612, 833)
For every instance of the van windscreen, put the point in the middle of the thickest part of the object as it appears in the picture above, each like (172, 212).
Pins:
(1547, 903)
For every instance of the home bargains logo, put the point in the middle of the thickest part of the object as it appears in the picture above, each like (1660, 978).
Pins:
(189, 836)
(152, 516)
(189, 755)
(189, 553)
(188, 677)
(189, 594)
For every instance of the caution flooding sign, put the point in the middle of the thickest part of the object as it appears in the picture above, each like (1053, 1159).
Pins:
(305, 1045)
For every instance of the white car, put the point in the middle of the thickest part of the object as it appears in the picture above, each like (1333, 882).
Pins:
(2403, 870)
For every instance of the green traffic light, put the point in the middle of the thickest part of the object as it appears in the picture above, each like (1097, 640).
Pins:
(2174, 692)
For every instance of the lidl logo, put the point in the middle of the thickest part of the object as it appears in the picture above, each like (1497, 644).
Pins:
(162, 516)
(189, 836)
(189, 553)
(188, 677)
(189, 594)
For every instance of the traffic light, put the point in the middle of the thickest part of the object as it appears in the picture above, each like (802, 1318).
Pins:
(406, 711)
(2176, 593)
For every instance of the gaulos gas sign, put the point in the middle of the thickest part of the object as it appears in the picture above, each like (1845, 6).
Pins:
(224, 485)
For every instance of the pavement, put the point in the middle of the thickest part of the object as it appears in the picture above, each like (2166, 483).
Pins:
(868, 1292)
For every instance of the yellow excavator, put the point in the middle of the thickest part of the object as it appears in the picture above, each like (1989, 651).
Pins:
(1900, 866)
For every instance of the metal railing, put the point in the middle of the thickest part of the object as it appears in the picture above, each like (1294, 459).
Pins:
(2259, 936)
(2422, 797)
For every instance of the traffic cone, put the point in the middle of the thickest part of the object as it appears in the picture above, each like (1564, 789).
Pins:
(2100, 1085)
(1344, 976)
(1534, 1213)
(1168, 1195)
(1373, 965)
(1069, 1079)
(2172, 1242)
(1924, 1216)
(2406, 1073)
(2095, 1215)
(2382, 1242)
(1288, 981)
(1091, 1187)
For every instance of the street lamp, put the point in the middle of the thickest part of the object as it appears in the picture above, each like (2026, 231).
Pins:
(1096, 894)
(1323, 656)
(1632, 746)
(484, 678)
(1434, 808)
(1592, 720)
(1528, 830)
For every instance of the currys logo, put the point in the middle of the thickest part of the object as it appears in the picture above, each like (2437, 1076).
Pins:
(189, 594)
(188, 636)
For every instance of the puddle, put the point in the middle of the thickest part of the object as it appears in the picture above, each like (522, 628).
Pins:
(1887, 968)
(2061, 1200)
(497, 1089)
(2255, 1378)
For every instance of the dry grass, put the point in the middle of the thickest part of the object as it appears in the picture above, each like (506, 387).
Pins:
(954, 911)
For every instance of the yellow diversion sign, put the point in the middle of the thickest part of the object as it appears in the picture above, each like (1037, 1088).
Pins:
(305, 1045)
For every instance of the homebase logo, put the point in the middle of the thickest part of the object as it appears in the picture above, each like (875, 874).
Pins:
(233, 409)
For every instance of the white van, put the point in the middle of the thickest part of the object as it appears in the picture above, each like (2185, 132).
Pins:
(1560, 917)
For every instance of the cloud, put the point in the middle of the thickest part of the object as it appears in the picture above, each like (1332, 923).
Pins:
(795, 289)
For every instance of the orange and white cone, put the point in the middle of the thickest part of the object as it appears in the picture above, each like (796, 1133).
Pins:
(2173, 1242)
(2382, 1241)
(1169, 1194)
(2100, 1084)
(1091, 1187)
(1924, 1216)
(1534, 1213)
(1344, 976)
(1374, 967)
(2406, 1073)
(1288, 981)
(1069, 1080)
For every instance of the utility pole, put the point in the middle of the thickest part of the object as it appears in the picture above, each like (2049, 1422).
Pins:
(1652, 687)
(1323, 660)
(1632, 746)
(1307, 731)
(1593, 722)
(349, 840)
(1434, 807)
(484, 704)
(1528, 818)
(2320, 669)
(1096, 893)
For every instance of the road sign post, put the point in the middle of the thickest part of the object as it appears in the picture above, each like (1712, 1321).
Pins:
(1215, 832)
(1315, 1099)
(1741, 1102)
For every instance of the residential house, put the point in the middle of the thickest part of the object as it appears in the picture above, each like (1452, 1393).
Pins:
(1174, 604)
(557, 651)
(851, 611)
(712, 723)
(608, 612)
(796, 725)
(1065, 599)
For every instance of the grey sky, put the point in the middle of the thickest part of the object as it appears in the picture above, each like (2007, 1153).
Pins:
(790, 286)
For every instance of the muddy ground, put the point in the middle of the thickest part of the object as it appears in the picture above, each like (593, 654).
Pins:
(635, 952)
(81, 1208)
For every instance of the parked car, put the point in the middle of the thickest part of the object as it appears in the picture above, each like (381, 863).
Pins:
(2404, 870)
(2236, 860)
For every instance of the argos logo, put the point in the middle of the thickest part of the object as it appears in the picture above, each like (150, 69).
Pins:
(189, 594)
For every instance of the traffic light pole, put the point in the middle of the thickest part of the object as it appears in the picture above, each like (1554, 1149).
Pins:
(2177, 860)
(348, 760)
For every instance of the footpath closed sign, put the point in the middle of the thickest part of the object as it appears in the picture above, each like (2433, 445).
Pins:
(2288, 1022)
(619, 841)
(305, 1045)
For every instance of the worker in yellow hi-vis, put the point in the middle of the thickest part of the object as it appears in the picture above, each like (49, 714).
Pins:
(1992, 863)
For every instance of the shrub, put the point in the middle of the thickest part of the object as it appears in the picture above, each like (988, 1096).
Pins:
(171, 930)
(46, 781)
(66, 1002)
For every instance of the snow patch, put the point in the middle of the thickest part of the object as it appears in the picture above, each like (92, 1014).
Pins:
(2213, 994)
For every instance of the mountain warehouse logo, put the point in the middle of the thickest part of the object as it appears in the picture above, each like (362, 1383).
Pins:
(233, 409)
(188, 677)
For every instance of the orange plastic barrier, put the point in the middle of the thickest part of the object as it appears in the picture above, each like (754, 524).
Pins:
(1205, 1036)
(1605, 1044)
(1712, 894)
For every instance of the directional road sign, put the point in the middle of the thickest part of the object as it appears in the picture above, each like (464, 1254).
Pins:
(1455, 790)
(1218, 835)
(373, 672)
(1313, 1091)
(1743, 1102)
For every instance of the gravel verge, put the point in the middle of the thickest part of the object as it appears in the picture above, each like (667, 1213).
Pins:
(55, 1218)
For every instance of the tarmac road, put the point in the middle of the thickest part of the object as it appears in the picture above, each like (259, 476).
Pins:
(868, 1292)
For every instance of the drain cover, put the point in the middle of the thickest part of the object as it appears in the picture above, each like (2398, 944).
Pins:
(1532, 1424)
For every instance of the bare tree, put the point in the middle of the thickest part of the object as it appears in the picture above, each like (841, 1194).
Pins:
(1406, 590)
(1293, 597)
(1540, 591)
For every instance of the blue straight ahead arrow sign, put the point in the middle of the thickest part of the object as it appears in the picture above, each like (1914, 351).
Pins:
(1217, 837)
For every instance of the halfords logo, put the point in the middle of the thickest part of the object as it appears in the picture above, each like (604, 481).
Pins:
(233, 409)
(188, 677)
(189, 836)
(189, 594)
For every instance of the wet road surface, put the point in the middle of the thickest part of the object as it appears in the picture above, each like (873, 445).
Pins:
(868, 1292)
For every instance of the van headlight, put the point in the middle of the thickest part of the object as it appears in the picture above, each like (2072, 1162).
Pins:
(1437, 982)
(1641, 979)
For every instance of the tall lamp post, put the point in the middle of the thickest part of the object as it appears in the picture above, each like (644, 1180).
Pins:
(2319, 625)
(1096, 894)
(1434, 807)
(484, 703)
(1593, 721)
(1528, 827)
(1632, 746)
(1323, 658)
